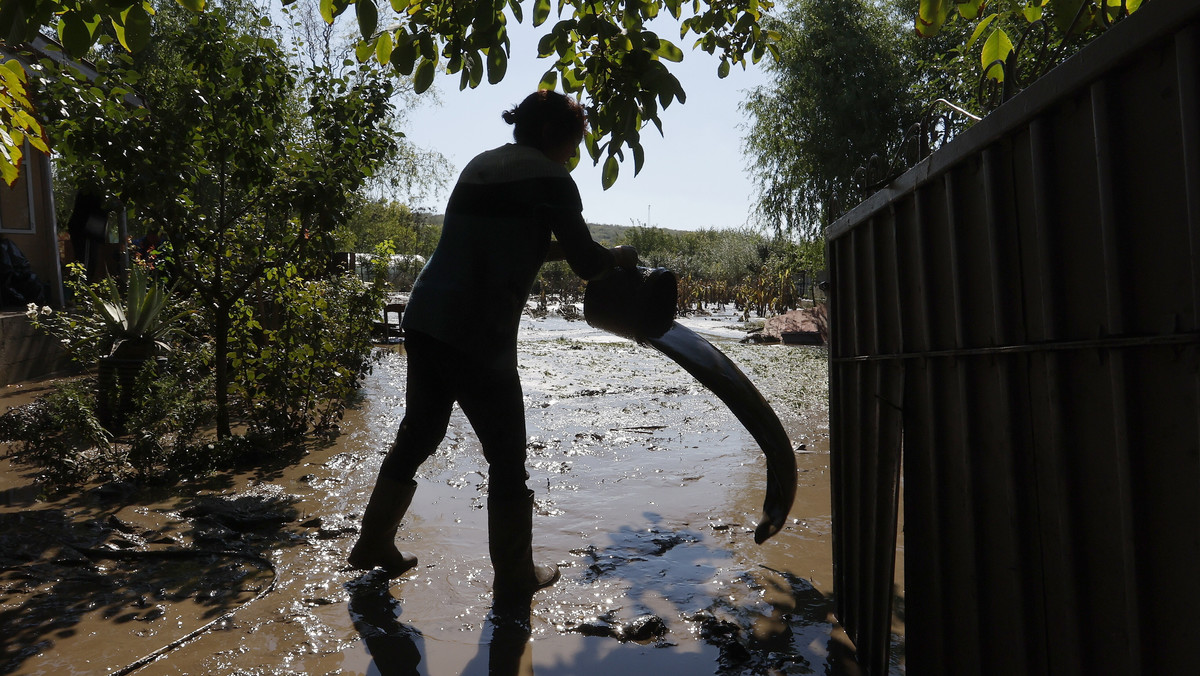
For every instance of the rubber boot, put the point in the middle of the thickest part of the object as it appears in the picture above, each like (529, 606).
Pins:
(376, 546)
(510, 543)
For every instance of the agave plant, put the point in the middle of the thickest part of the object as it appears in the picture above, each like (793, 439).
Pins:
(136, 324)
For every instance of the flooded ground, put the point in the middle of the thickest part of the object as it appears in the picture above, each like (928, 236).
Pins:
(647, 494)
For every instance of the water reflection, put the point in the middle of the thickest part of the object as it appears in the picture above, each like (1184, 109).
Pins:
(395, 647)
(505, 648)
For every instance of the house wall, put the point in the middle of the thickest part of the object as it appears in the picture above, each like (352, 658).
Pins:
(27, 219)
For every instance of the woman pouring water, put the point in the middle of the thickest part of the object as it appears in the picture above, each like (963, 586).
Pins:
(497, 231)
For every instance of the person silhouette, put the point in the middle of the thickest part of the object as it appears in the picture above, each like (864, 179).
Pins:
(513, 208)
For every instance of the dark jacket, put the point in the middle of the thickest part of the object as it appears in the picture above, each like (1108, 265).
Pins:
(495, 236)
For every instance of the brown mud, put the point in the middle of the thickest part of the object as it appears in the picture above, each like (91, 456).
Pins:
(647, 493)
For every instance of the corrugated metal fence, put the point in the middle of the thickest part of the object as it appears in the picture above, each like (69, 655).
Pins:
(1018, 319)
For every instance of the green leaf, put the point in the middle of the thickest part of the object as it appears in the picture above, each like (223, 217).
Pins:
(368, 17)
(404, 56)
(8, 169)
(474, 69)
(1032, 13)
(970, 9)
(931, 14)
(497, 65)
(194, 5)
(997, 48)
(15, 71)
(549, 80)
(330, 9)
(136, 28)
(363, 50)
(980, 29)
(74, 34)
(546, 44)
(383, 47)
(667, 50)
(541, 11)
(424, 76)
(592, 144)
(611, 168)
(723, 68)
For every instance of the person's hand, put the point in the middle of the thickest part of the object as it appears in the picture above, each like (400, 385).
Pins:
(625, 256)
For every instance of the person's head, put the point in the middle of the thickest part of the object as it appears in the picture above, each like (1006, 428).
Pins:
(549, 121)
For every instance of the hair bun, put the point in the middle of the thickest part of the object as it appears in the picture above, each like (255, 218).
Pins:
(547, 119)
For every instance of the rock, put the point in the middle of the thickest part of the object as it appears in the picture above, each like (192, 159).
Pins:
(595, 627)
(803, 326)
(641, 629)
(644, 628)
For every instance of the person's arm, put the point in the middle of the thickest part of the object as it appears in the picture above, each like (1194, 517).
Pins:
(575, 245)
(624, 256)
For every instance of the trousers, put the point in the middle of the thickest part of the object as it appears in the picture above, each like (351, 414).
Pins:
(440, 375)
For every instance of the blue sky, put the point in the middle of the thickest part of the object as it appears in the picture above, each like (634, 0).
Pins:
(694, 177)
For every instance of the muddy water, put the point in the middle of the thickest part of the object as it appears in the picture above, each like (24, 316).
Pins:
(647, 490)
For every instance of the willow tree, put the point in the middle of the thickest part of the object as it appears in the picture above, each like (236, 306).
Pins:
(839, 94)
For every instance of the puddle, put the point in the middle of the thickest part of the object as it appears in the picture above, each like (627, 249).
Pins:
(647, 494)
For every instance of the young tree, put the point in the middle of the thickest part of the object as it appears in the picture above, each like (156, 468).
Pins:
(245, 165)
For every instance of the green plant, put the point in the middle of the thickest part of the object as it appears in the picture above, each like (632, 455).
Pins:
(165, 429)
(303, 357)
(167, 438)
(136, 324)
(103, 319)
(61, 435)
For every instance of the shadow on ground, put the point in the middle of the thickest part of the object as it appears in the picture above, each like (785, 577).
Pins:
(127, 556)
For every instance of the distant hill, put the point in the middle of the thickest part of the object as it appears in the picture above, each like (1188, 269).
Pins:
(606, 234)
(610, 235)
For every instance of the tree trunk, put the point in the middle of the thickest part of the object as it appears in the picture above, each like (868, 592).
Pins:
(221, 371)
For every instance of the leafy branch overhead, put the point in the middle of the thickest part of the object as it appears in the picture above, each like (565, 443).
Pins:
(17, 121)
(997, 22)
(602, 51)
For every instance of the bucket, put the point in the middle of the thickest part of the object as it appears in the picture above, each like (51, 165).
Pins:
(637, 304)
